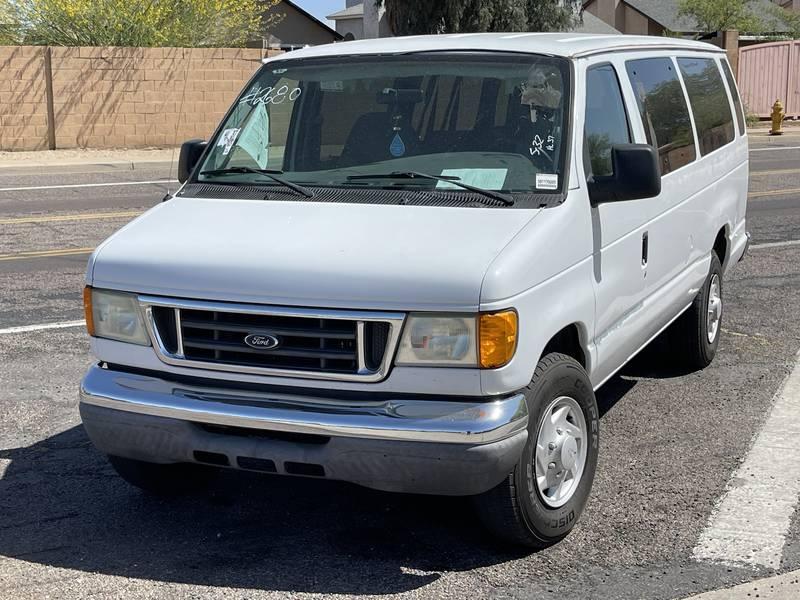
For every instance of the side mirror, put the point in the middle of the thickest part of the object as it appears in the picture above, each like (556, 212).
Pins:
(636, 175)
(190, 154)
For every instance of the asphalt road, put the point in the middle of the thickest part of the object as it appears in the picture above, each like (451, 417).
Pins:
(670, 443)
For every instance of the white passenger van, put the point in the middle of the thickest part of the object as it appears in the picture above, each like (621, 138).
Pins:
(409, 263)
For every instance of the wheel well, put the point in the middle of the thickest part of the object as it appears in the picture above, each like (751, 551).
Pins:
(721, 245)
(567, 341)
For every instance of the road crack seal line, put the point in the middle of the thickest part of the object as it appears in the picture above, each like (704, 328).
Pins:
(749, 524)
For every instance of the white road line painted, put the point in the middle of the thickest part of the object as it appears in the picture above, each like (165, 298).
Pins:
(749, 525)
(86, 185)
(42, 327)
(775, 244)
(773, 148)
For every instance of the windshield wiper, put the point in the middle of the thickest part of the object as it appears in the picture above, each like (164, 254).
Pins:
(504, 198)
(271, 173)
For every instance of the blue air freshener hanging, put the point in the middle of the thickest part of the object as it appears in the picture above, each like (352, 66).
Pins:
(397, 147)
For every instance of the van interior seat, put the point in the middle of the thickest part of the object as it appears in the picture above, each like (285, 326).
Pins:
(372, 135)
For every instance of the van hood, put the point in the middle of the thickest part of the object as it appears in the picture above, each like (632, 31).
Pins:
(308, 253)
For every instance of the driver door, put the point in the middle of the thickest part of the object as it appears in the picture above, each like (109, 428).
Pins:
(619, 231)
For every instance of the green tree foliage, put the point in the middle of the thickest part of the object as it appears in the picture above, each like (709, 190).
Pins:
(7, 30)
(187, 23)
(790, 19)
(722, 15)
(415, 17)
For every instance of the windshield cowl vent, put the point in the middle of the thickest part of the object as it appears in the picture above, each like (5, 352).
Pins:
(358, 195)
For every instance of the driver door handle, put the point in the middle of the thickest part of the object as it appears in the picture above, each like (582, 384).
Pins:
(645, 248)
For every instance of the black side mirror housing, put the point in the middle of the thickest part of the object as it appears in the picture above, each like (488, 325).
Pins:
(636, 175)
(191, 152)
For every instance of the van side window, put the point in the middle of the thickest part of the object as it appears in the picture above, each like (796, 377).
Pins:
(737, 101)
(665, 115)
(710, 105)
(606, 120)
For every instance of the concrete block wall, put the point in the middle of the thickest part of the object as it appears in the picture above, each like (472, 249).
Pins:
(118, 97)
(23, 108)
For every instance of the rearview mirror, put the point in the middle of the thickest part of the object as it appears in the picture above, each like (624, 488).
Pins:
(400, 96)
(636, 175)
(190, 154)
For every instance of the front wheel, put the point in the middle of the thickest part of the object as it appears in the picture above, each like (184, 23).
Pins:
(541, 500)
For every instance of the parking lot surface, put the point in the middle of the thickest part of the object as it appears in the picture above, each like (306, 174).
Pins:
(672, 447)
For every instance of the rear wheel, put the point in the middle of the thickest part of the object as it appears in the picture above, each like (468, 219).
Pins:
(695, 335)
(162, 479)
(540, 502)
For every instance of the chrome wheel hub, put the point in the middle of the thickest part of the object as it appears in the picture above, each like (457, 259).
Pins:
(560, 455)
(714, 308)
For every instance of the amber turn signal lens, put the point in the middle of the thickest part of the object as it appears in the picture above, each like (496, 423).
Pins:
(497, 335)
(87, 310)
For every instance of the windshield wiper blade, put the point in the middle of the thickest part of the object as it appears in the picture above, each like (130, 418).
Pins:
(271, 173)
(504, 198)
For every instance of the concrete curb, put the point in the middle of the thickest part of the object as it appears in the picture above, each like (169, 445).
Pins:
(779, 587)
(46, 167)
(82, 160)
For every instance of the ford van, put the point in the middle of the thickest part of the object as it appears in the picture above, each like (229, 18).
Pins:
(409, 264)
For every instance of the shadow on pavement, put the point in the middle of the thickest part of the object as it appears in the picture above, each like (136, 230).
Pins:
(658, 360)
(62, 505)
(612, 392)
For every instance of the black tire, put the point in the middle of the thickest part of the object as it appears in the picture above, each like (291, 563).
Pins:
(515, 511)
(163, 479)
(689, 340)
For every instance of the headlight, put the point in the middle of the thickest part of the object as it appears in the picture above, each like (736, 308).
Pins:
(114, 315)
(486, 340)
(438, 340)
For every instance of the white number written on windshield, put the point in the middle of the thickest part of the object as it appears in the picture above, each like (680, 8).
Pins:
(270, 95)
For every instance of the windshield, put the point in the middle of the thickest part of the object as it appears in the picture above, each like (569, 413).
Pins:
(492, 121)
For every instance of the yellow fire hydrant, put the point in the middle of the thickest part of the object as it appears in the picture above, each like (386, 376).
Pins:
(777, 118)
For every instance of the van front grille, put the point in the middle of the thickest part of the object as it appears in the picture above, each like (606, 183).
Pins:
(246, 338)
(303, 344)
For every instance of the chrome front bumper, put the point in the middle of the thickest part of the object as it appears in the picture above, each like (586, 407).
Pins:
(479, 421)
(418, 445)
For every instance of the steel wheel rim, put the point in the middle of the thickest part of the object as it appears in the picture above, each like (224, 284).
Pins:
(714, 310)
(561, 451)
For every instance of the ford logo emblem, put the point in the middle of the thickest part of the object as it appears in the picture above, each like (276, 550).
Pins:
(261, 341)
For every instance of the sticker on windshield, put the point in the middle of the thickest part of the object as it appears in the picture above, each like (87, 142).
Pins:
(546, 181)
(488, 179)
(331, 86)
(397, 148)
(254, 138)
(227, 140)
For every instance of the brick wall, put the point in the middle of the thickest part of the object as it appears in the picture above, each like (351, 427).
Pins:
(23, 110)
(118, 97)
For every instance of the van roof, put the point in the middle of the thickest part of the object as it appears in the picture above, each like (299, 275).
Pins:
(570, 45)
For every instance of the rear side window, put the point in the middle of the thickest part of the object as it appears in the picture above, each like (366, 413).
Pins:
(737, 101)
(665, 115)
(606, 119)
(709, 100)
